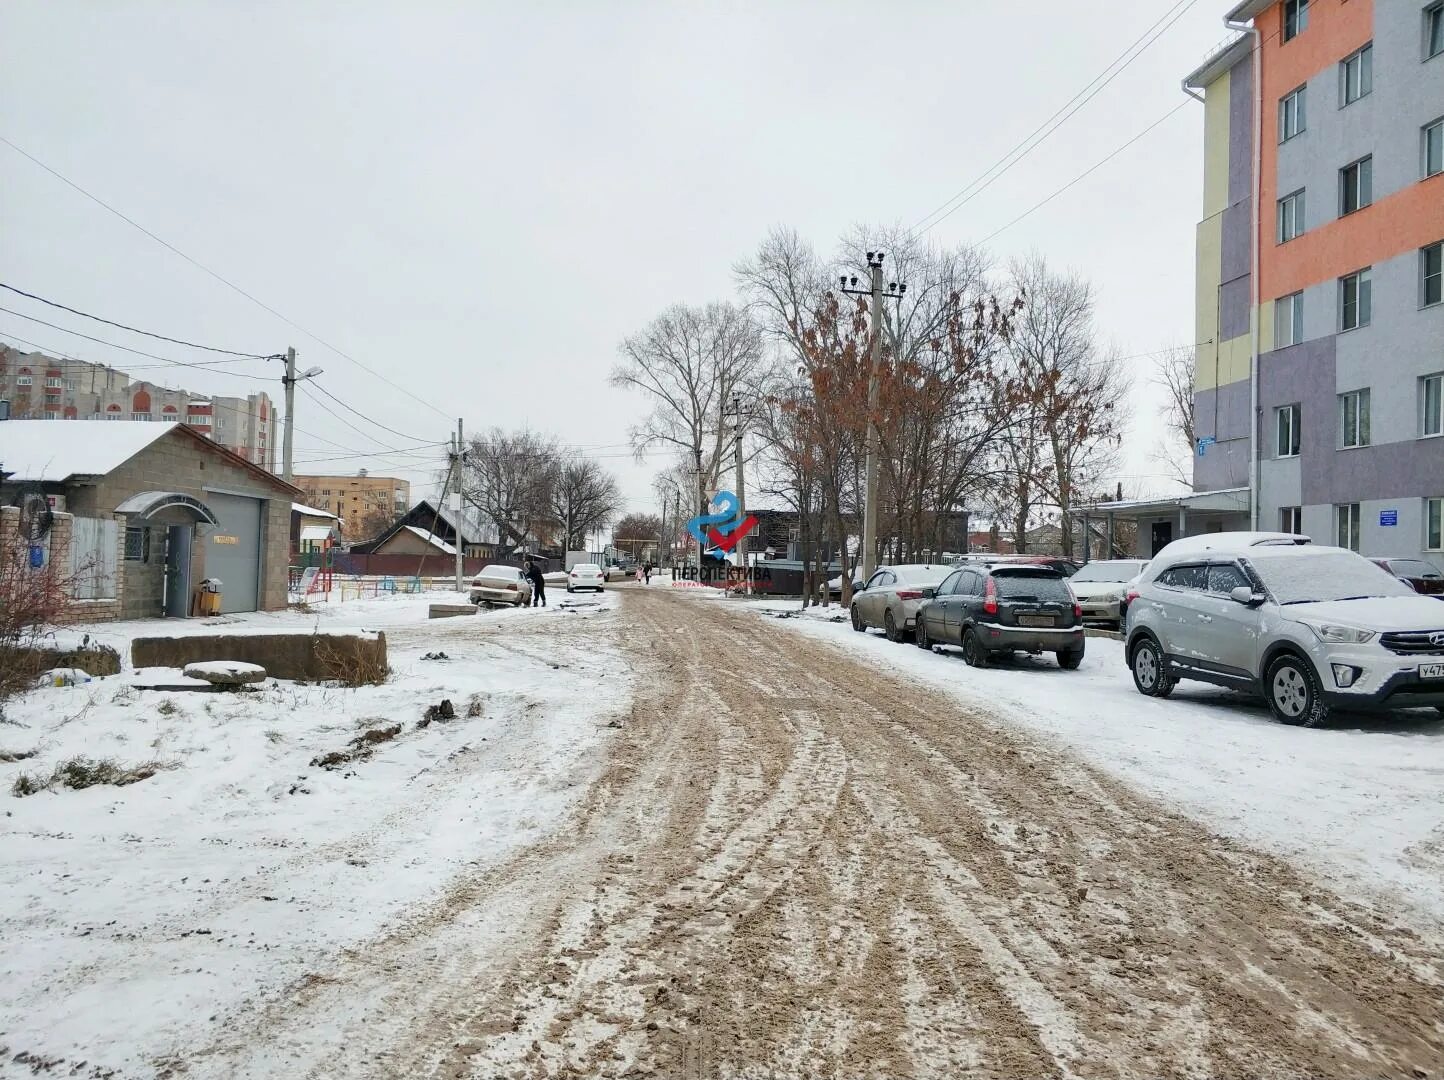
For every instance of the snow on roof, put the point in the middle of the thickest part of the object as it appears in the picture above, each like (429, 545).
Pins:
(434, 541)
(315, 532)
(35, 450)
(311, 511)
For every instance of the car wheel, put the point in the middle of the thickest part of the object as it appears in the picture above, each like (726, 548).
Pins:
(570, 589)
(889, 627)
(1069, 659)
(920, 636)
(1293, 693)
(1150, 673)
(973, 651)
(857, 623)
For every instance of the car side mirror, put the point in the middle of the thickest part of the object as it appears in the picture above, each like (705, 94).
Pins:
(1245, 596)
(929, 591)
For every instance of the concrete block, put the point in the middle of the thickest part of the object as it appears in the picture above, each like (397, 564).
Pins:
(301, 657)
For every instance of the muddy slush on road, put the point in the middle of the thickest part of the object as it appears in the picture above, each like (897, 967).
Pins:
(794, 865)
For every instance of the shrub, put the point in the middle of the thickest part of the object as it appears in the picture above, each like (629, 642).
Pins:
(81, 772)
(347, 664)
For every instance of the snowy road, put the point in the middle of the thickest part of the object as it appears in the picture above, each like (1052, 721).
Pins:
(792, 863)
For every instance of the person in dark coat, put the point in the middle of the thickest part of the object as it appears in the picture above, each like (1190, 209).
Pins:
(538, 584)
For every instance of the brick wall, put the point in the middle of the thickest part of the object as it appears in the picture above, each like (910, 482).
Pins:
(57, 557)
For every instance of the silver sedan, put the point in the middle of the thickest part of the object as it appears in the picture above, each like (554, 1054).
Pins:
(892, 596)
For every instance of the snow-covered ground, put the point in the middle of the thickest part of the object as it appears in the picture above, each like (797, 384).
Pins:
(133, 918)
(1360, 804)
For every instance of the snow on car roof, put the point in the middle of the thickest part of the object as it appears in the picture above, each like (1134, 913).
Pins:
(36, 450)
(1230, 543)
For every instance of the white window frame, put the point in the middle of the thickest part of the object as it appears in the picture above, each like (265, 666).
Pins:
(1434, 524)
(1361, 434)
(1363, 171)
(1300, 11)
(1356, 76)
(1346, 525)
(54, 382)
(1437, 276)
(1431, 149)
(1430, 428)
(1291, 209)
(1291, 306)
(1291, 519)
(24, 380)
(1434, 31)
(1286, 423)
(1362, 283)
(1293, 106)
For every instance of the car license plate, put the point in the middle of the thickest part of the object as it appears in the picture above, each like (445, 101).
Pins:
(1038, 620)
(1431, 671)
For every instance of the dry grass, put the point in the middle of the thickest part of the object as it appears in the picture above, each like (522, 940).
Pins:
(80, 772)
(346, 663)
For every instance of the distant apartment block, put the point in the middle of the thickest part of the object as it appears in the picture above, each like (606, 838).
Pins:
(368, 504)
(1320, 378)
(41, 387)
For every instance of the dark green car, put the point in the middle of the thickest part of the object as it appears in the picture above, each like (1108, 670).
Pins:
(995, 610)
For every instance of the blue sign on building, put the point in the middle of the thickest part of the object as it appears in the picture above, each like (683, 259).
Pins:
(1204, 443)
(1388, 518)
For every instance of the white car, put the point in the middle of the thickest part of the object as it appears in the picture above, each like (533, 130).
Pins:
(585, 575)
(1100, 586)
(498, 584)
(1308, 628)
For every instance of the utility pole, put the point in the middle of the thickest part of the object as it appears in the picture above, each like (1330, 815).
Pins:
(741, 492)
(289, 382)
(455, 471)
(875, 290)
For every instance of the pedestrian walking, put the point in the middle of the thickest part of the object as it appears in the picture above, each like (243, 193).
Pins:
(646, 573)
(538, 584)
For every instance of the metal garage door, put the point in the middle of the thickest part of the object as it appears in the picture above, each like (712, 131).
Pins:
(233, 550)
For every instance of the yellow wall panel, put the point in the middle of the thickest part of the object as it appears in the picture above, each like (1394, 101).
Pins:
(1215, 146)
(1226, 364)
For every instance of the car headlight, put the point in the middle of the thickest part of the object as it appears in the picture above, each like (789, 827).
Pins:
(1338, 635)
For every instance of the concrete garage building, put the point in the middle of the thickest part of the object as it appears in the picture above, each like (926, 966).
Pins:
(190, 509)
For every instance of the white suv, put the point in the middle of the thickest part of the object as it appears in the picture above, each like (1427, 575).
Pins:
(1308, 628)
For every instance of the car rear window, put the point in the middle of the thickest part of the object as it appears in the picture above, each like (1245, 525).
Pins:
(1036, 583)
(588, 568)
(1414, 568)
(923, 575)
(500, 572)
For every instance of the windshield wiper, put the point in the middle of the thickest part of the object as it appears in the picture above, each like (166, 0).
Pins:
(1330, 600)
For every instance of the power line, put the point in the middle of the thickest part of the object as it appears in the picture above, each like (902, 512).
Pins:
(1057, 120)
(207, 270)
(322, 390)
(136, 330)
(199, 366)
(1085, 174)
(337, 416)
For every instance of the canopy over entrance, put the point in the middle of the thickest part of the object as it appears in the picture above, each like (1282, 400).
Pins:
(147, 504)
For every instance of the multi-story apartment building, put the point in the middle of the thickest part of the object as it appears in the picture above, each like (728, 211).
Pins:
(368, 504)
(1320, 264)
(42, 387)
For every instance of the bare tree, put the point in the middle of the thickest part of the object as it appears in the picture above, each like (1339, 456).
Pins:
(584, 498)
(1175, 374)
(510, 478)
(1074, 389)
(692, 363)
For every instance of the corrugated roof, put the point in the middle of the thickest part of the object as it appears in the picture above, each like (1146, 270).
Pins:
(39, 450)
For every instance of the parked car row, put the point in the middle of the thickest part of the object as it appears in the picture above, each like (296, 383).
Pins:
(1310, 629)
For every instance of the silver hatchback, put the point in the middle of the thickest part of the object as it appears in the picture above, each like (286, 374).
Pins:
(1309, 629)
(891, 598)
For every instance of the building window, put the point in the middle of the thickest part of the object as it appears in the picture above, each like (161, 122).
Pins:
(1291, 216)
(1354, 419)
(23, 380)
(1356, 300)
(1431, 146)
(54, 382)
(1287, 424)
(1292, 114)
(1431, 398)
(140, 416)
(1357, 75)
(1296, 18)
(137, 544)
(1431, 271)
(1347, 515)
(1288, 320)
(72, 384)
(1434, 524)
(1291, 519)
(1356, 186)
(1433, 30)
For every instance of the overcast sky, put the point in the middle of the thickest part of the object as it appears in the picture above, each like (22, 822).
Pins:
(479, 200)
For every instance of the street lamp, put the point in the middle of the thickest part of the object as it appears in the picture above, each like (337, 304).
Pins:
(288, 382)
